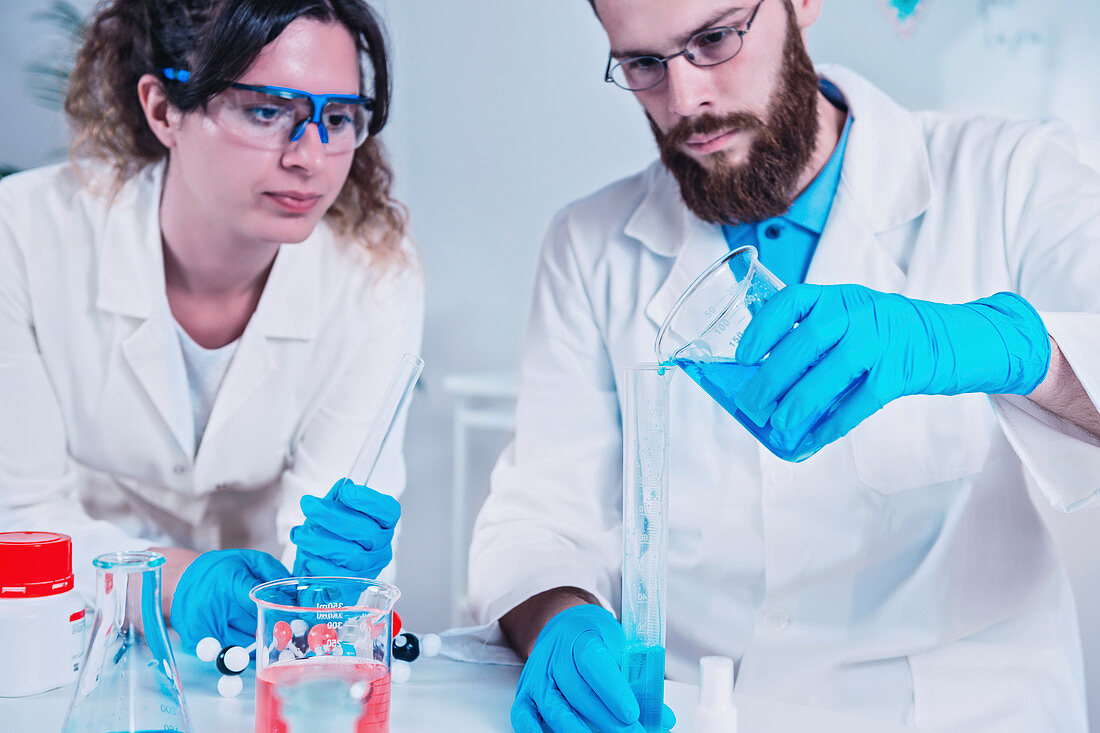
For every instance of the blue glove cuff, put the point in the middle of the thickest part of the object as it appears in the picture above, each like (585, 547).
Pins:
(189, 583)
(1025, 337)
(191, 579)
(587, 615)
(999, 345)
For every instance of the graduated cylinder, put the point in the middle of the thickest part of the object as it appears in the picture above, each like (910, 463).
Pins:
(645, 535)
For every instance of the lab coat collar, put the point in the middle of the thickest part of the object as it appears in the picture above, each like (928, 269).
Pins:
(131, 266)
(290, 306)
(131, 263)
(886, 166)
(885, 182)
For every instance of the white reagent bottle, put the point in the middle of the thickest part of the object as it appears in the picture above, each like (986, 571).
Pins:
(41, 616)
(716, 712)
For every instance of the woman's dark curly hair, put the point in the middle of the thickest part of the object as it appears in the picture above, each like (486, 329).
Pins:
(217, 40)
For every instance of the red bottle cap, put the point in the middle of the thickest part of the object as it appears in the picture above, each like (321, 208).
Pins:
(35, 564)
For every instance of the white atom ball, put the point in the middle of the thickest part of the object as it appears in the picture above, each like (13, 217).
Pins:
(400, 671)
(208, 649)
(430, 644)
(230, 686)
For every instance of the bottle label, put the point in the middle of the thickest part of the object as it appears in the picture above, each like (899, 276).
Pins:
(76, 626)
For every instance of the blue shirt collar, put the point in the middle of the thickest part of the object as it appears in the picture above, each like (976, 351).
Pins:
(811, 209)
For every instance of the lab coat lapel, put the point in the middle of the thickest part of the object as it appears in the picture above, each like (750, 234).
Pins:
(131, 284)
(252, 363)
(153, 352)
(665, 226)
(849, 252)
(885, 183)
(289, 308)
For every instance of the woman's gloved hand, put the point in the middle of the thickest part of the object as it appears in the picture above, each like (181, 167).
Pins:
(882, 346)
(573, 681)
(348, 532)
(211, 597)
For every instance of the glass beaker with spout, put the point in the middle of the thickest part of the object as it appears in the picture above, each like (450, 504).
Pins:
(129, 680)
(701, 333)
(323, 655)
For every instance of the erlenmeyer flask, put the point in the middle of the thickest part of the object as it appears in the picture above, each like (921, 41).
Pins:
(129, 680)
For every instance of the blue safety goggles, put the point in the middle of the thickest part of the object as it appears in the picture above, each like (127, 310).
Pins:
(270, 117)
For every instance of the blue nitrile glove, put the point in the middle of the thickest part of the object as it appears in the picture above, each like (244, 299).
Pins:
(349, 532)
(573, 679)
(211, 597)
(888, 346)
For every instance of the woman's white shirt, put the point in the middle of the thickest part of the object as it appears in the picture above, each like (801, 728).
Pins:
(97, 435)
(205, 369)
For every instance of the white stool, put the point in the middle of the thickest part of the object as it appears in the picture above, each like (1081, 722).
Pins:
(484, 401)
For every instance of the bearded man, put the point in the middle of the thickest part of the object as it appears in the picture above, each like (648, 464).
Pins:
(941, 311)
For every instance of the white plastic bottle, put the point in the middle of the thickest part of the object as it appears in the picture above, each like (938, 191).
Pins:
(41, 616)
(716, 712)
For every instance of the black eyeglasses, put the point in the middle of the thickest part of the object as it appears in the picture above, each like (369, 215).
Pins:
(709, 47)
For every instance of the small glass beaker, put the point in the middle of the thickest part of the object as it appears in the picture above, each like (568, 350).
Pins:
(323, 655)
(129, 680)
(701, 333)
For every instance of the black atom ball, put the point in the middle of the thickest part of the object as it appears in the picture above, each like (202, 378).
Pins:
(220, 662)
(406, 647)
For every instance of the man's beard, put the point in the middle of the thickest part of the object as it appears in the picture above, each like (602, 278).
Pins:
(763, 185)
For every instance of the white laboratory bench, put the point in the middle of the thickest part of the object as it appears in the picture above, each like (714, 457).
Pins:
(441, 695)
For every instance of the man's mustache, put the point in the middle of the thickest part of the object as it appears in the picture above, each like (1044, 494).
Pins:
(712, 124)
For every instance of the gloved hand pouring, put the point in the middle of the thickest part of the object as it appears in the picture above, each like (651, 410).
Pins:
(857, 349)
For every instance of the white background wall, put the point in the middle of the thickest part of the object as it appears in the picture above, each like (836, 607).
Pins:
(501, 117)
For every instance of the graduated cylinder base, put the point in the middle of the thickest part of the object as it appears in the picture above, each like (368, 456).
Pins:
(645, 671)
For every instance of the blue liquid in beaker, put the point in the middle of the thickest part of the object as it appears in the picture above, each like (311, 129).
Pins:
(722, 380)
(645, 672)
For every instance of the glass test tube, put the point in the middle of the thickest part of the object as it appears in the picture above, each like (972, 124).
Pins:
(394, 401)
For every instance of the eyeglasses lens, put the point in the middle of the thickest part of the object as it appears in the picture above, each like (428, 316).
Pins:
(713, 46)
(707, 48)
(269, 121)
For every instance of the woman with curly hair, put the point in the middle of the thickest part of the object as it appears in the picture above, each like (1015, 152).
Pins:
(199, 314)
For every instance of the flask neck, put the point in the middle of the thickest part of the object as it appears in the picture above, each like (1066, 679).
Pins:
(129, 599)
(128, 591)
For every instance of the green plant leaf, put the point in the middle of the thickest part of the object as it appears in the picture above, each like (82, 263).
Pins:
(49, 81)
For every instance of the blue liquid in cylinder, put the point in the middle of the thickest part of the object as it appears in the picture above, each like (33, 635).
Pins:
(645, 672)
(722, 380)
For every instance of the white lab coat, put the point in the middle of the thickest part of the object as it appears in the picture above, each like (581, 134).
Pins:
(96, 436)
(902, 572)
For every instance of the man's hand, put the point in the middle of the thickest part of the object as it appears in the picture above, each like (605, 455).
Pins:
(573, 681)
(861, 349)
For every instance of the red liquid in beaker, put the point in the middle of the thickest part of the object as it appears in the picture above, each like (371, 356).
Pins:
(375, 717)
